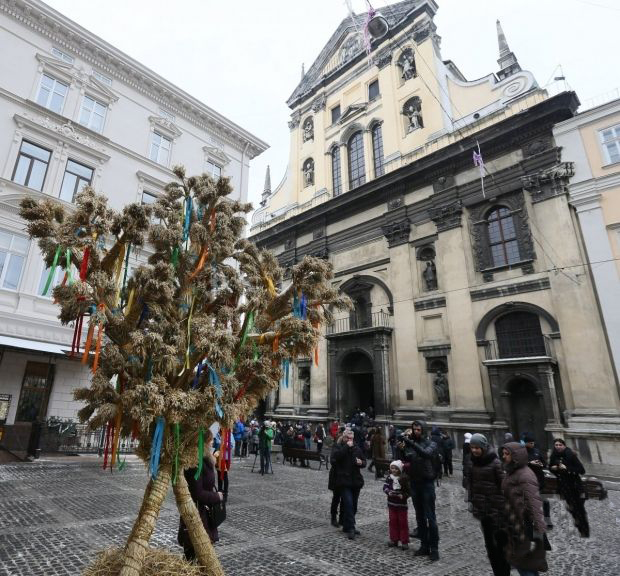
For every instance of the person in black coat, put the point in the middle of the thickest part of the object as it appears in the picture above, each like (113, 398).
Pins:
(537, 463)
(348, 460)
(204, 494)
(567, 467)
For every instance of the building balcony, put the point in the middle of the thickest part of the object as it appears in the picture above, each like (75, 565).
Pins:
(352, 324)
(519, 350)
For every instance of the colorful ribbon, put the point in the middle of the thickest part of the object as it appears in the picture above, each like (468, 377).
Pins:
(50, 276)
(285, 371)
(201, 448)
(158, 437)
(214, 380)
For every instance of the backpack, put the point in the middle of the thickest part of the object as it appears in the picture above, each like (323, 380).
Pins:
(437, 461)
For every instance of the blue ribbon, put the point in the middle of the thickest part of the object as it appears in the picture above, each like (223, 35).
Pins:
(285, 367)
(198, 371)
(149, 369)
(158, 437)
(188, 216)
(215, 381)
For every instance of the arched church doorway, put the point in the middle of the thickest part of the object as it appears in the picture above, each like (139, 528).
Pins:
(357, 383)
(527, 411)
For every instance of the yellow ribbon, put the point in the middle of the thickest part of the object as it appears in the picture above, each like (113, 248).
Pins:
(117, 274)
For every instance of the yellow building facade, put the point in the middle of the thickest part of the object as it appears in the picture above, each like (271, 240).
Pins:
(473, 305)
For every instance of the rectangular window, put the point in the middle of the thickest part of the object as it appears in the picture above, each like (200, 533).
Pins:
(92, 114)
(373, 90)
(56, 280)
(160, 149)
(36, 387)
(52, 93)
(610, 138)
(336, 172)
(76, 177)
(148, 198)
(213, 170)
(62, 56)
(31, 166)
(335, 114)
(102, 78)
(377, 150)
(13, 251)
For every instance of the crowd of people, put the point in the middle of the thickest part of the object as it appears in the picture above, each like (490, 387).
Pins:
(502, 488)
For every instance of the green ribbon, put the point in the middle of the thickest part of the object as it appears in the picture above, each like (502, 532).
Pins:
(201, 448)
(177, 436)
(120, 464)
(248, 326)
(125, 275)
(175, 257)
(52, 270)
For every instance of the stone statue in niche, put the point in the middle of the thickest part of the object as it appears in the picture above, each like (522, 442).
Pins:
(309, 173)
(442, 392)
(407, 65)
(304, 380)
(308, 133)
(413, 111)
(430, 276)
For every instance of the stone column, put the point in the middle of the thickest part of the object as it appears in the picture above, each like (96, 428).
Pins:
(552, 405)
(451, 266)
(406, 363)
(381, 362)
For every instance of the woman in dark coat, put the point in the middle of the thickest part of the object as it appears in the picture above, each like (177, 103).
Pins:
(204, 494)
(348, 459)
(567, 467)
(525, 519)
(487, 501)
(377, 448)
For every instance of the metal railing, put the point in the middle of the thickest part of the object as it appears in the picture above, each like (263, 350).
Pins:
(520, 347)
(352, 323)
(72, 438)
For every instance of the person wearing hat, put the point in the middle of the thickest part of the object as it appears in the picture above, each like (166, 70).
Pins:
(397, 489)
(537, 462)
(486, 501)
(265, 437)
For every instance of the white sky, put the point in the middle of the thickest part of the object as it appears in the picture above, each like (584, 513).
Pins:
(243, 57)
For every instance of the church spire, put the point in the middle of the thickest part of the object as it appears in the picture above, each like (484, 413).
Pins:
(507, 61)
(267, 189)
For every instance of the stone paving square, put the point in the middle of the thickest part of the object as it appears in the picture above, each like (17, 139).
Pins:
(54, 516)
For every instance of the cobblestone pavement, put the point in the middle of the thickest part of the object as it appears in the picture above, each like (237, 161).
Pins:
(54, 516)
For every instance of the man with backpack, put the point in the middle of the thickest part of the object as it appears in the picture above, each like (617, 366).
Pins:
(422, 456)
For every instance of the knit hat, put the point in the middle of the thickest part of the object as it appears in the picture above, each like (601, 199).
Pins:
(468, 436)
(398, 464)
(508, 438)
(479, 440)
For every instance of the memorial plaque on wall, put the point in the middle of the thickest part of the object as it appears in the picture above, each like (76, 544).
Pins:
(5, 403)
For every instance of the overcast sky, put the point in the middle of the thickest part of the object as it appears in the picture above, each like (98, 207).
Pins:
(243, 58)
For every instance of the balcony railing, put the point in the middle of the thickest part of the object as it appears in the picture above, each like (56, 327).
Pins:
(352, 323)
(520, 347)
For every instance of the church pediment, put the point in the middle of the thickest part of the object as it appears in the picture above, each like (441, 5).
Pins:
(99, 88)
(352, 111)
(216, 155)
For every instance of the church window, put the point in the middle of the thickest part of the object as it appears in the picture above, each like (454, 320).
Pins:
(519, 335)
(336, 172)
(502, 237)
(335, 114)
(377, 150)
(357, 169)
(373, 90)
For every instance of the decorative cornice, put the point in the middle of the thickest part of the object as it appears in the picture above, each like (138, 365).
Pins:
(447, 217)
(510, 289)
(295, 119)
(165, 126)
(319, 103)
(214, 153)
(383, 58)
(106, 58)
(429, 304)
(362, 267)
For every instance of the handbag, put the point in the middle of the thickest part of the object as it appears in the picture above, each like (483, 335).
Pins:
(216, 514)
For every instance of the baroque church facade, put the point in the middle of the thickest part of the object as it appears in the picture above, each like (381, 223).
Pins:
(473, 306)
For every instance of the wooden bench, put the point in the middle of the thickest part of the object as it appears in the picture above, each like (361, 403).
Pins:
(595, 489)
(288, 452)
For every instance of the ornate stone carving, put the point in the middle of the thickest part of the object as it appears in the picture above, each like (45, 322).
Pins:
(395, 203)
(319, 103)
(321, 253)
(67, 130)
(289, 244)
(536, 146)
(318, 233)
(442, 391)
(422, 31)
(295, 119)
(430, 276)
(406, 63)
(447, 217)
(351, 46)
(443, 183)
(483, 259)
(308, 131)
(383, 59)
(550, 182)
(412, 109)
(397, 232)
